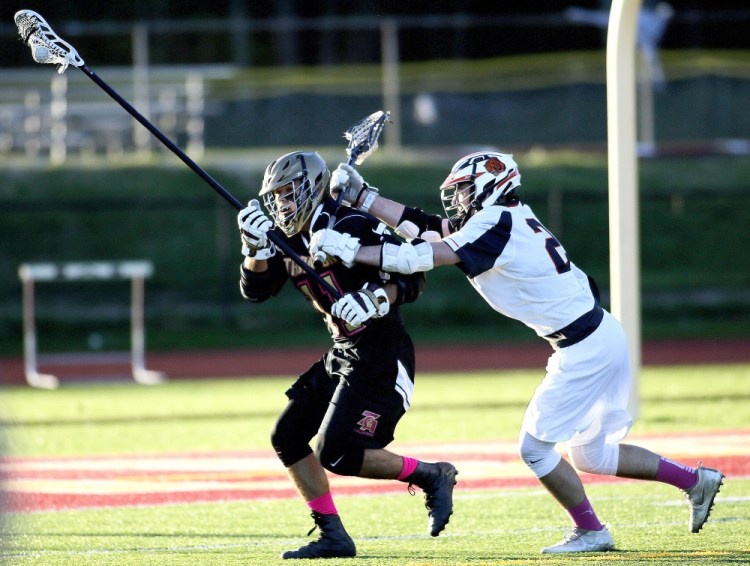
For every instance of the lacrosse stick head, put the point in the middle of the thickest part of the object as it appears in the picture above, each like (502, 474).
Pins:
(46, 46)
(363, 136)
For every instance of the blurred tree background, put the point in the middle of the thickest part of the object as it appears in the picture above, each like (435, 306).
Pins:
(237, 83)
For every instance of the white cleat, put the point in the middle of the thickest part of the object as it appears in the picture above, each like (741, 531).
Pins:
(701, 496)
(583, 540)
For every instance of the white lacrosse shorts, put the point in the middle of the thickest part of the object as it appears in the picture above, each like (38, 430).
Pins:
(584, 394)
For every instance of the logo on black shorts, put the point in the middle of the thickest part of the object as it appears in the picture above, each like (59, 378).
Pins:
(368, 423)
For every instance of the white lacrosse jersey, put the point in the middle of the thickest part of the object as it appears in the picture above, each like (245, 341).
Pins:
(520, 268)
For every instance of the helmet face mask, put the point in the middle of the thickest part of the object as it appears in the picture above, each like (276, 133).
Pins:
(475, 181)
(457, 199)
(293, 186)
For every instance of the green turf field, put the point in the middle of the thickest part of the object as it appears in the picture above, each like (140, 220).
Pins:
(105, 438)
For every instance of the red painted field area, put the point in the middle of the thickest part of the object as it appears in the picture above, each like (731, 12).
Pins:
(52, 484)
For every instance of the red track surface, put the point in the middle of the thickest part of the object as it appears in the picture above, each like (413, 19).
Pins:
(234, 363)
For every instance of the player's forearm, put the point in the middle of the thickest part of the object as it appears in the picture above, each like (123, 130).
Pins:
(387, 210)
(254, 265)
(442, 254)
(392, 292)
(368, 255)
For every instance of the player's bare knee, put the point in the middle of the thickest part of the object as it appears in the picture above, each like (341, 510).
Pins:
(341, 458)
(540, 456)
(596, 458)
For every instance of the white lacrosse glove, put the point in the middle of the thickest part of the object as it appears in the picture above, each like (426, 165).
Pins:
(346, 179)
(254, 226)
(357, 307)
(335, 244)
(406, 258)
(408, 231)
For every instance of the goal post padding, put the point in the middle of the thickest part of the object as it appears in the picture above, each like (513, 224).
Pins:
(136, 271)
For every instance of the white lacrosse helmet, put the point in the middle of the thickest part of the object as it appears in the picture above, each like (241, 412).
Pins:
(492, 176)
(308, 175)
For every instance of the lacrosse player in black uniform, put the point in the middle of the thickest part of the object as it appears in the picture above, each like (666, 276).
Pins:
(354, 396)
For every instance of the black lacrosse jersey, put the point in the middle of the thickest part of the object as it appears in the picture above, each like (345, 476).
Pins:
(258, 287)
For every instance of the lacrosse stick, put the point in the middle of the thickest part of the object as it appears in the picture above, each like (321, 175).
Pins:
(48, 48)
(363, 136)
(363, 141)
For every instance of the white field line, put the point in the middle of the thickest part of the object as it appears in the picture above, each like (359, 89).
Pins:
(291, 542)
(218, 472)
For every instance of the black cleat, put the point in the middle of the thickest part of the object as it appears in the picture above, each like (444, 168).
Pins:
(333, 542)
(437, 481)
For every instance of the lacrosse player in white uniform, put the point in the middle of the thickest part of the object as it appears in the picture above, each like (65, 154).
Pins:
(523, 272)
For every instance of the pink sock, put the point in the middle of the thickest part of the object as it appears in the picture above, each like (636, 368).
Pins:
(323, 505)
(676, 474)
(410, 464)
(584, 517)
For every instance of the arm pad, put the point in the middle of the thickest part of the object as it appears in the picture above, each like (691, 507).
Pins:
(423, 221)
(257, 287)
(406, 257)
(408, 287)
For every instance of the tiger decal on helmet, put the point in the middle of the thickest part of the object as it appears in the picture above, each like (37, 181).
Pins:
(494, 166)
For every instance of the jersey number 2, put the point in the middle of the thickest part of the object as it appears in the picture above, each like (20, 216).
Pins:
(562, 264)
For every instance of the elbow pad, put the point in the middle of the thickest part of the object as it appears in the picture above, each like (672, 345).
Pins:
(406, 258)
(259, 287)
(408, 287)
(423, 221)
(253, 286)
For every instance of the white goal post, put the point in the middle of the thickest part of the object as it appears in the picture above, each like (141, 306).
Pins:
(624, 240)
(135, 271)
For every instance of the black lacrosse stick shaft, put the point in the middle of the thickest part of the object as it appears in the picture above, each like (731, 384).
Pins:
(275, 238)
(162, 138)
